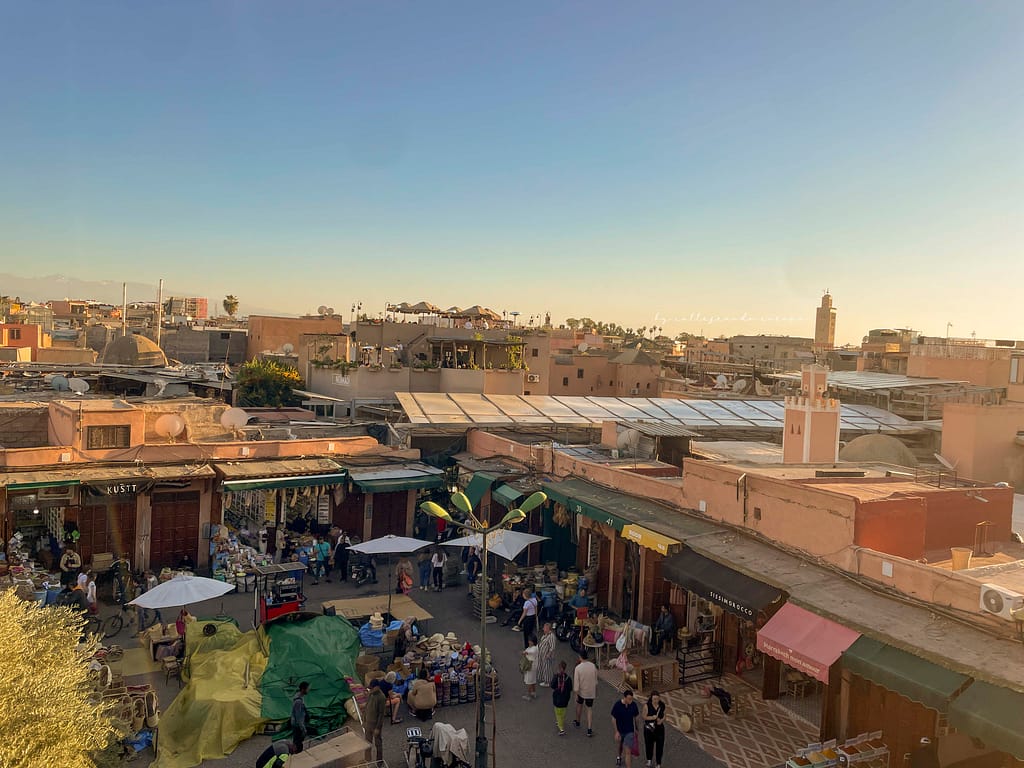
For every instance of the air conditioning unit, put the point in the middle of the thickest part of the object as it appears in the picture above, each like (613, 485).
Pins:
(1000, 601)
(533, 378)
(634, 391)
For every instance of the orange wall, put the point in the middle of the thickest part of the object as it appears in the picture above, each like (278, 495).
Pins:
(985, 373)
(29, 336)
(642, 377)
(814, 520)
(267, 333)
(894, 526)
(980, 440)
(953, 515)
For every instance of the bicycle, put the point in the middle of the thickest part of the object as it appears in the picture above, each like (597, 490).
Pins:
(105, 627)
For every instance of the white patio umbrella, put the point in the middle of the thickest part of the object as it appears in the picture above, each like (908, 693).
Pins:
(182, 590)
(389, 545)
(504, 543)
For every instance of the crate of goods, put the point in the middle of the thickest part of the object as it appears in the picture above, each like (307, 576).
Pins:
(345, 751)
(365, 664)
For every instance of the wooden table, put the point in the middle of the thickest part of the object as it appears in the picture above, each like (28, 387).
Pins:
(698, 708)
(402, 607)
(659, 673)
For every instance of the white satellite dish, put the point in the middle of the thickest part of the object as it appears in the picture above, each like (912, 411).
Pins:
(321, 310)
(234, 419)
(60, 384)
(78, 386)
(583, 346)
(288, 349)
(330, 311)
(721, 382)
(628, 441)
(740, 385)
(170, 425)
(950, 465)
(469, 324)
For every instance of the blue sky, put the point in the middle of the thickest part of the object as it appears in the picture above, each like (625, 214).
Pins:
(702, 166)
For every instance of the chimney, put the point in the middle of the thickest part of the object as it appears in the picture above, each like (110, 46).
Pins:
(811, 430)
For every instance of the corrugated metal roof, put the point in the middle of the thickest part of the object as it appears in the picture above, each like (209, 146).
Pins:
(659, 429)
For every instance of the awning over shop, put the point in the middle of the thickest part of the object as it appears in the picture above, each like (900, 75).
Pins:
(280, 473)
(397, 478)
(478, 486)
(730, 589)
(649, 539)
(619, 510)
(903, 673)
(100, 477)
(804, 641)
(506, 495)
(993, 714)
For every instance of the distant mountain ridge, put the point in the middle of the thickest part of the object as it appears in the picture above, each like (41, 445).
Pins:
(58, 287)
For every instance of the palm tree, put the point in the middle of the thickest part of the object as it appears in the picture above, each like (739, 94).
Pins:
(230, 304)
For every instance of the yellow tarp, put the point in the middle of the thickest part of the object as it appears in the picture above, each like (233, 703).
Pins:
(220, 706)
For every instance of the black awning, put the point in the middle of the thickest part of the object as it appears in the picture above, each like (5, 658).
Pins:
(718, 584)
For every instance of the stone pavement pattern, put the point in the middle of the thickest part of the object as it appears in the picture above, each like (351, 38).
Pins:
(526, 732)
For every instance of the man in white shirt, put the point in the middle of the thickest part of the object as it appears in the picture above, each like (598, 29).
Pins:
(584, 682)
(527, 623)
(437, 562)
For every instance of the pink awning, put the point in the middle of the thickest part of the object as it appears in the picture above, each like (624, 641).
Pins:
(804, 641)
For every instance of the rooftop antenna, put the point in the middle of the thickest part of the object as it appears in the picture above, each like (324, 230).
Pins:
(159, 309)
(124, 309)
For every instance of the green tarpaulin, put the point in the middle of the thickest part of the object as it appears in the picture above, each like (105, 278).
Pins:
(903, 673)
(321, 650)
(993, 714)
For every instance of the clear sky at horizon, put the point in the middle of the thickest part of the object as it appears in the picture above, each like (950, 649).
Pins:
(700, 166)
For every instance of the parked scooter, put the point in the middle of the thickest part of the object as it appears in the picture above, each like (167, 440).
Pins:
(362, 570)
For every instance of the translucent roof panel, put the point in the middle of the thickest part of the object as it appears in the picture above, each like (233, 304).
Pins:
(699, 415)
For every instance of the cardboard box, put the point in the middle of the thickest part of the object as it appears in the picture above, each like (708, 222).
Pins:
(343, 751)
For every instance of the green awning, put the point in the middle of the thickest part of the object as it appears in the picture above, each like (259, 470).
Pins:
(596, 513)
(554, 494)
(268, 483)
(478, 486)
(43, 484)
(993, 714)
(391, 484)
(903, 673)
(506, 495)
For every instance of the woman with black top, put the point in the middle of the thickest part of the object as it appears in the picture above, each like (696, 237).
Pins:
(654, 729)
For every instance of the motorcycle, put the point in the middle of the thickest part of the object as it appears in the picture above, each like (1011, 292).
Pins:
(361, 572)
(419, 752)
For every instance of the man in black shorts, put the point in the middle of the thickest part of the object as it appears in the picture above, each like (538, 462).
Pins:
(584, 682)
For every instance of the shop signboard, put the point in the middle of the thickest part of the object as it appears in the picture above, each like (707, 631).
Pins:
(127, 487)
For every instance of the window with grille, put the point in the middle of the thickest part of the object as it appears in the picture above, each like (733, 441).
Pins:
(113, 436)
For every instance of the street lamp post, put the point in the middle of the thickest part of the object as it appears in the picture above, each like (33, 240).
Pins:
(461, 502)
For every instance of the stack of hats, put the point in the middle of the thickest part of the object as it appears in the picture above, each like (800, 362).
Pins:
(377, 622)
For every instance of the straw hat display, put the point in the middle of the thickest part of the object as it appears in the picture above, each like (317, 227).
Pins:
(377, 621)
(450, 638)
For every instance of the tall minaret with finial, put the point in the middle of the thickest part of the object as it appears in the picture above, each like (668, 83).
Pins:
(825, 325)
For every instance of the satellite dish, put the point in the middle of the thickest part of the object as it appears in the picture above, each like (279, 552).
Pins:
(950, 465)
(721, 382)
(330, 311)
(170, 425)
(288, 349)
(78, 386)
(60, 383)
(469, 324)
(628, 441)
(321, 310)
(583, 346)
(740, 385)
(234, 418)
